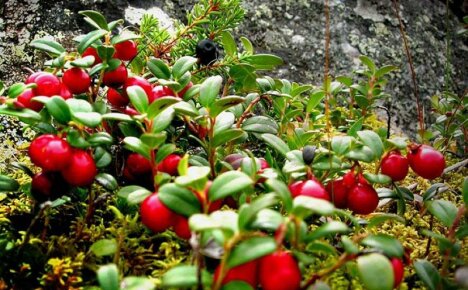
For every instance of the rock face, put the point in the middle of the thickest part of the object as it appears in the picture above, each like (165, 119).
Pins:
(292, 29)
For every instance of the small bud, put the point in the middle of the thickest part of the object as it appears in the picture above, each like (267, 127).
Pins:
(308, 154)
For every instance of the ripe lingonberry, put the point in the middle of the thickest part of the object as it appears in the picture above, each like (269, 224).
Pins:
(77, 80)
(138, 81)
(169, 164)
(48, 185)
(138, 165)
(207, 51)
(234, 160)
(362, 199)
(159, 92)
(92, 51)
(25, 99)
(338, 192)
(426, 161)
(181, 227)
(32, 78)
(247, 272)
(65, 92)
(47, 85)
(311, 187)
(117, 77)
(116, 99)
(125, 50)
(279, 271)
(155, 215)
(398, 271)
(50, 152)
(394, 165)
(81, 169)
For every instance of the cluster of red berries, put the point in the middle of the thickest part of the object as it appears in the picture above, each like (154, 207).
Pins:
(276, 271)
(61, 165)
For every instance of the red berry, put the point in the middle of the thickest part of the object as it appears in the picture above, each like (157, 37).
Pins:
(138, 81)
(246, 272)
(181, 227)
(185, 89)
(426, 161)
(65, 92)
(131, 111)
(126, 50)
(138, 165)
(116, 99)
(41, 186)
(398, 271)
(362, 199)
(263, 164)
(213, 205)
(279, 271)
(127, 175)
(117, 77)
(77, 80)
(155, 215)
(235, 160)
(394, 165)
(25, 99)
(92, 51)
(349, 179)
(310, 187)
(32, 78)
(81, 170)
(159, 92)
(50, 152)
(47, 85)
(338, 192)
(169, 164)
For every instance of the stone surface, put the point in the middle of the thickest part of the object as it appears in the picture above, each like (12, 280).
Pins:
(292, 29)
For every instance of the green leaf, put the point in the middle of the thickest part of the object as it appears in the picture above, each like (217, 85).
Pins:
(117, 117)
(104, 247)
(163, 120)
(263, 61)
(84, 62)
(137, 283)
(314, 100)
(124, 36)
(267, 219)
(25, 115)
(362, 153)
(77, 105)
(248, 47)
(349, 246)
(49, 46)
(465, 190)
(183, 65)
(229, 43)
(373, 141)
(138, 98)
(226, 220)
(368, 62)
(106, 52)
(385, 70)
(245, 75)
(179, 199)
(194, 174)
(136, 145)
(92, 119)
(282, 191)
(160, 105)
(58, 109)
(185, 109)
(164, 151)
(428, 274)
(377, 178)
(16, 89)
(330, 228)
(185, 276)
(107, 181)
(224, 103)
(248, 212)
(76, 140)
(379, 218)
(100, 138)
(432, 191)
(229, 183)
(443, 210)
(341, 144)
(250, 250)
(375, 271)
(90, 38)
(209, 90)
(398, 142)
(153, 140)
(102, 157)
(260, 125)
(159, 68)
(95, 18)
(108, 277)
(387, 244)
(304, 206)
(276, 143)
(8, 184)
(356, 127)
(134, 194)
(226, 136)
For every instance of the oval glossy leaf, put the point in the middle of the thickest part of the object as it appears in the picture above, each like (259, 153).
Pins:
(179, 199)
(137, 283)
(134, 194)
(159, 68)
(102, 157)
(95, 18)
(104, 247)
(117, 117)
(26, 115)
(138, 98)
(282, 191)
(194, 174)
(330, 228)
(379, 218)
(260, 125)
(304, 206)
(443, 210)
(250, 250)
(92, 119)
(376, 272)
(59, 109)
(267, 219)
(183, 65)
(136, 145)
(163, 120)
(373, 141)
(341, 144)
(50, 46)
(209, 90)
(229, 43)
(229, 183)
(90, 38)
(377, 178)
(84, 62)
(8, 184)
(276, 143)
(263, 61)
(224, 103)
(226, 136)
(100, 138)
(107, 181)
(185, 276)
(224, 121)
(387, 244)
(428, 274)
(108, 277)
(248, 212)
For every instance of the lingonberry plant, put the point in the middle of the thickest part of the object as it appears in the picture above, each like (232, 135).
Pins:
(187, 136)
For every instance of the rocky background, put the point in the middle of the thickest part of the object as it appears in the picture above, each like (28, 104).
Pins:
(292, 29)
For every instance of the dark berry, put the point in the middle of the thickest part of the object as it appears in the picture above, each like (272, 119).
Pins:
(207, 51)
(308, 154)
